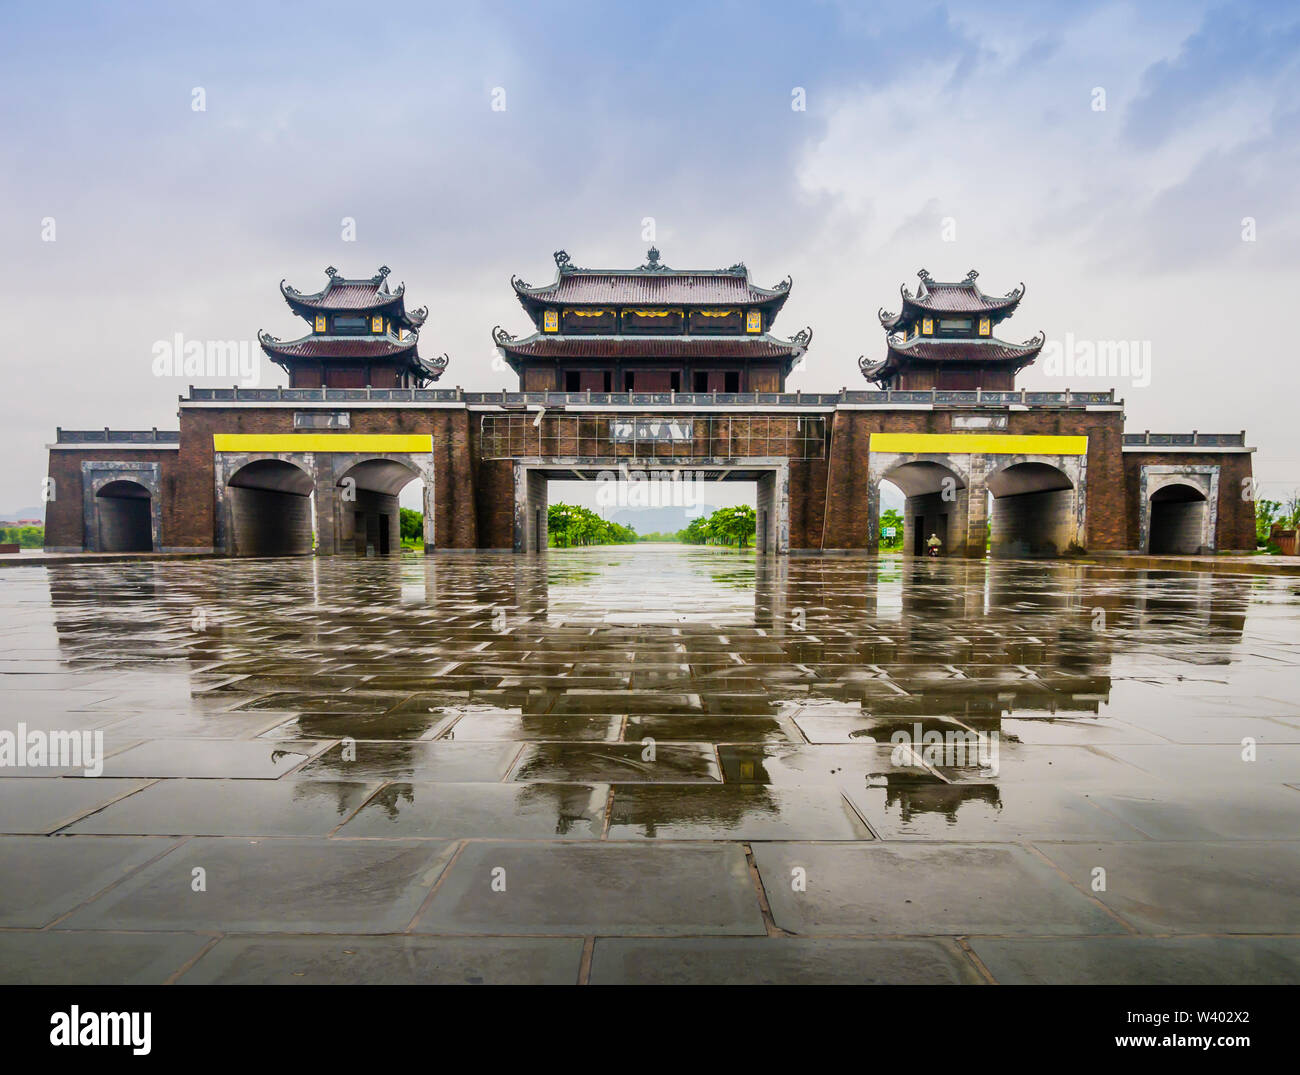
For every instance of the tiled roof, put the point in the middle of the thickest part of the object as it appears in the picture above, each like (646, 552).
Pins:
(342, 295)
(988, 349)
(927, 349)
(680, 288)
(962, 297)
(362, 347)
(652, 347)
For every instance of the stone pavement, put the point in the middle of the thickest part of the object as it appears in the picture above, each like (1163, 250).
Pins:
(649, 765)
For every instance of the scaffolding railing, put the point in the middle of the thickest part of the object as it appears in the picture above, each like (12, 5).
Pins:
(652, 437)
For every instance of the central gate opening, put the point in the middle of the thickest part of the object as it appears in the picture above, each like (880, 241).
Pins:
(741, 506)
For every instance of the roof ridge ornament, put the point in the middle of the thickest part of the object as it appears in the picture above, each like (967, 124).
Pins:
(737, 269)
(383, 272)
(331, 272)
(972, 276)
(924, 275)
(563, 262)
(653, 264)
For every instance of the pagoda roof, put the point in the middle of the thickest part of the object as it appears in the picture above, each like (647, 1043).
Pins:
(653, 283)
(369, 296)
(386, 349)
(962, 297)
(550, 346)
(922, 350)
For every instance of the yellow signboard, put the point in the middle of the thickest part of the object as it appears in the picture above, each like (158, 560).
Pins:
(322, 442)
(979, 443)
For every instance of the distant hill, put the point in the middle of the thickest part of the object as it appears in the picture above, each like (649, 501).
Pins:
(11, 517)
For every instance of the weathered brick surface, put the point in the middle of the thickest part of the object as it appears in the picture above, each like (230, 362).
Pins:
(64, 527)
(1236, 513)
(474, 502)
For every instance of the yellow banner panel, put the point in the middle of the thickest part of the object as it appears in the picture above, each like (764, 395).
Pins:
(322, 442)
(979, 443)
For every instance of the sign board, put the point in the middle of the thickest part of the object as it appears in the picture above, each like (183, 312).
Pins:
(655, 430)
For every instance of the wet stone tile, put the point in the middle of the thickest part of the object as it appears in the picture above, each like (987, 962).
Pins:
(503, 726)
(43, 877)
(43, 806)
(606, 889)
(55, 957)
(483, 811)
(986, 812)
(610, 762)
(1241, 887)
(780, 961)
(922, 889)
(212, 758)
(231, 808)
(294, 885)
(1142, 960)
(363, 960)
(740, 812)
(418, 761)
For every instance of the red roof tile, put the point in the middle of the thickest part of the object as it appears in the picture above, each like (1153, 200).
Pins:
(598, 288)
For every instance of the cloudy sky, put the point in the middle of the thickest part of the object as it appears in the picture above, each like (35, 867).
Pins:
(1134, 165)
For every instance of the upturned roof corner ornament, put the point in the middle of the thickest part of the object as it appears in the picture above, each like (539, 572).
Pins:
(439, 362)
(885, 316)
(266, 337)
(331, 271)
(290, 290)
(783, 285)
(520, 282)
(1016, 292)
(418, 316)
(563, 262)
(500, 335)
(802, 338)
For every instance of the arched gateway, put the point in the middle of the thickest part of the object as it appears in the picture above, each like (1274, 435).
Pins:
(659, 374)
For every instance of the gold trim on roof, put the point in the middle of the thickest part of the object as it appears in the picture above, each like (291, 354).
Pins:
(716, 313)
(587, 313)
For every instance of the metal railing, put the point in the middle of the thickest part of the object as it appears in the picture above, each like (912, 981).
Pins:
(117, 436)
(1195, 439)
(937, 397)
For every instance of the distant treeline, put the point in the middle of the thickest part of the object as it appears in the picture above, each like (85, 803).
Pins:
(29, 537)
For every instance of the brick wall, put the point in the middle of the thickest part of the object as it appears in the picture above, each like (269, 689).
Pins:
(1236, 514)
(64, 527)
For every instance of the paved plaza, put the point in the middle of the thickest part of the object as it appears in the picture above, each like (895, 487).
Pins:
(650, 764)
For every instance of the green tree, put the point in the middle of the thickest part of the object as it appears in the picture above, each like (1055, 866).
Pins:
(412, 524)
(569, 525)
(1266, 511)
(891, 519)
